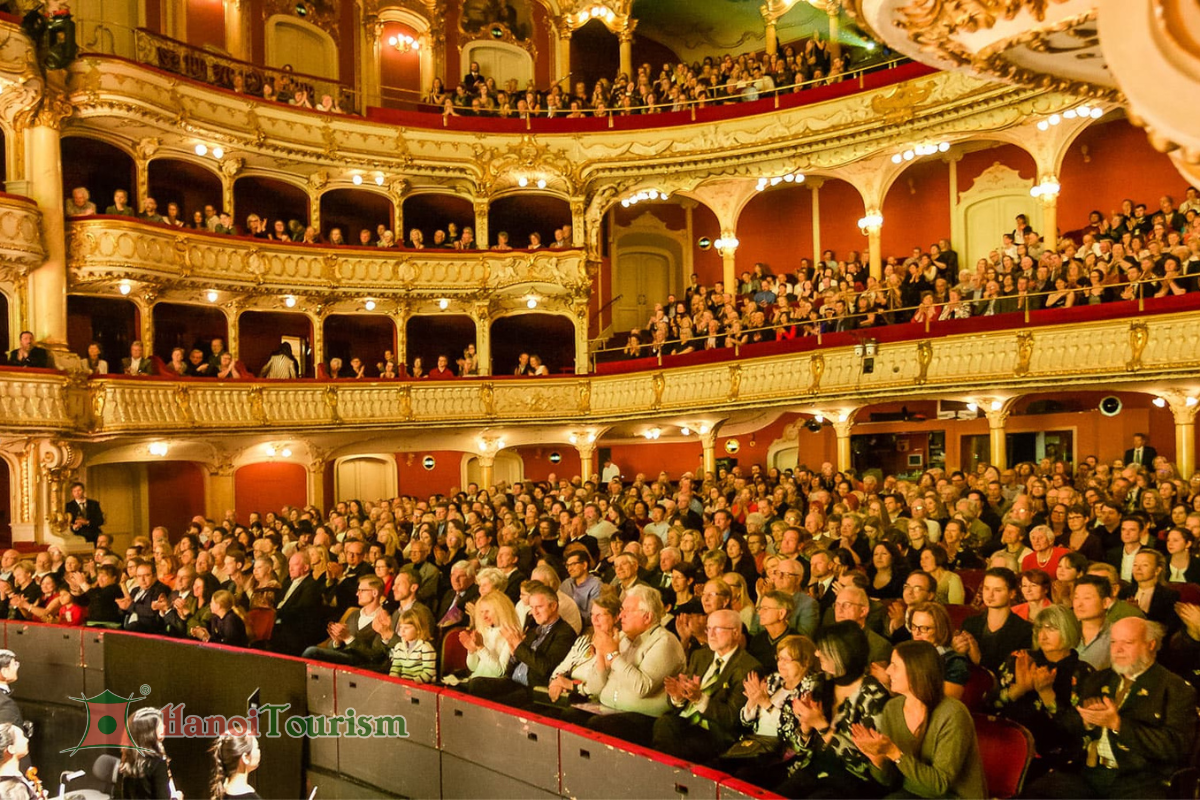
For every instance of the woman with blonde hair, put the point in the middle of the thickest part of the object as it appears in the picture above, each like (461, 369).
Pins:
(487, 649)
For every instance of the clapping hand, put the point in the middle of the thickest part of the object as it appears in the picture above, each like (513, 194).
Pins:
(512, 635)
(1023, 668)
(1101, 712)
(896, 612)
(965, 644)
(756, 691)
(1189, 614)
(879, 673)
(808, 712)
(470, 640)
(873, 744)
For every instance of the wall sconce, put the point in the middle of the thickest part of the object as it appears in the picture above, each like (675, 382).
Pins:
(125, 287)
(404, 43)
(791, 177)
(726, 245)
(653, 433)
(1047, 190)
(871, 223)
(158, 449)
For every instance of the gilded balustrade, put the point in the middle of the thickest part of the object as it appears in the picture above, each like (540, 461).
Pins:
(102, 251)
(1093, 354)
(20, 233)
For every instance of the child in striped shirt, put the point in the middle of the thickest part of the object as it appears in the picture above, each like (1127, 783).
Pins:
(413, 656)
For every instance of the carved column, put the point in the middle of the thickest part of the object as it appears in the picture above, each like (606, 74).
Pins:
(625, 37)
(727, 247)
(1183, 409)
(145, 306)
(587, 456)
(487, 470)
(316, 482)
(835, 42)
(400, 321)
(316, 185)
(233, 317)
(482, 314)
(997, 415)
(481, 222)
(772, 38)
(872, 225)
(52, 466)
(708, 442)
(1047, 190)
(47, 284)
(146, 149)
(843, 427)
(580, 318)
(396, 191)
(562, 71)
(371, 47)
(578, 212)
(230, 169)
(237, 34)
(318, 328)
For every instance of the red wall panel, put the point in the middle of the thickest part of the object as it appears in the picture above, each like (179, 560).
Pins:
(269, 487)
(916, 211)
(205, 23)
(538, 466)
(1130, 168)
(417, 481)
(176, 492)
(841, 209)
(775, 227)
(400, 73)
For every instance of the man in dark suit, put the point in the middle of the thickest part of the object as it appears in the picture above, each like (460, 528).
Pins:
(86, 516)
(138, 363)
(452, 610)
(356, 567)
(506, 562)
(299, 618)
(534, 655)
(1140, 453)
(355, 640)
(707, 700)
(1135, 724)
(28, 354)
(148, 599)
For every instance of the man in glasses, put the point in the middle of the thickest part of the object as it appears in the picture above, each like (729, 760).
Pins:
(774, 611)
(706, 700)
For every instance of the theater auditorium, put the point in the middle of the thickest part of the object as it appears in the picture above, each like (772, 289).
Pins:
(599, 398)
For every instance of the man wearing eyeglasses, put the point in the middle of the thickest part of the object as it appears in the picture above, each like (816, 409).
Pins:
(805, 614)
(919, 587)
(774, 610)
(706, 700)
(852, 604)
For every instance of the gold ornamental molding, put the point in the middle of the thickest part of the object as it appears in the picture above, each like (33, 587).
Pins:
(20, 234)
(125, 103)
(102, 254)
(1142, 354)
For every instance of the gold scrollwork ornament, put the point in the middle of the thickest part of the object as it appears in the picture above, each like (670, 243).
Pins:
(1024, 353)
(924, 359)
(1139, 337)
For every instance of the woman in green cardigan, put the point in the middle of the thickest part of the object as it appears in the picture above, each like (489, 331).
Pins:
(925, 745)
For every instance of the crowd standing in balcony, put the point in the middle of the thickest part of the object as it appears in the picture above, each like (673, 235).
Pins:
(789, 626)
(720, 80)
(1128, 256)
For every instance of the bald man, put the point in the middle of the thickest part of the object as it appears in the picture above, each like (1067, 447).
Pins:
(1135, 723)
(706, 700)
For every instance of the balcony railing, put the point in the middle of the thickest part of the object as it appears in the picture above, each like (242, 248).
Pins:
(20, 232)
(103, 251)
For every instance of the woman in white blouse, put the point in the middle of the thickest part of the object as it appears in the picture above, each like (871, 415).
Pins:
(487, 649)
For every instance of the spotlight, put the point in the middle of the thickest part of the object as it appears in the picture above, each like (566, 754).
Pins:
(531, 303)
(997, 405)
(289, 301)
(212, 295)
(158, 449)
(541, 183)
(1159, 402)
(218, 152)
(1190, 401)
(271, 451)
(443, 304)
(972, 407)
(685, 430)
(369, 305)
(522, 181)
(201, 150)
(573, 439)
(124, 288)
(287, 452)
(379, 180)
(356, 180)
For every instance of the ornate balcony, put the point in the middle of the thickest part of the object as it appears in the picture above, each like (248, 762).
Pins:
(104, 252)
(20, 233)
(1156, 347)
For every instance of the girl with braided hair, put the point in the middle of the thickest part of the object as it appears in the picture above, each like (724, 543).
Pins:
(234, 758)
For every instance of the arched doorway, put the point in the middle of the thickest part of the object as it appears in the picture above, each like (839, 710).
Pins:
(508, 468)
(302, 46)
(366, 477)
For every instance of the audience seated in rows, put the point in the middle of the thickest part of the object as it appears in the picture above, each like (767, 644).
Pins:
(583, 600)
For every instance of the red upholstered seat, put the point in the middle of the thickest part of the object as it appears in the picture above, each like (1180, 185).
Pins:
(1188, 592)
(979, 685)
(1006, 749)
(971, 579)
(260, 623)
(454, 655)
(958, 613)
